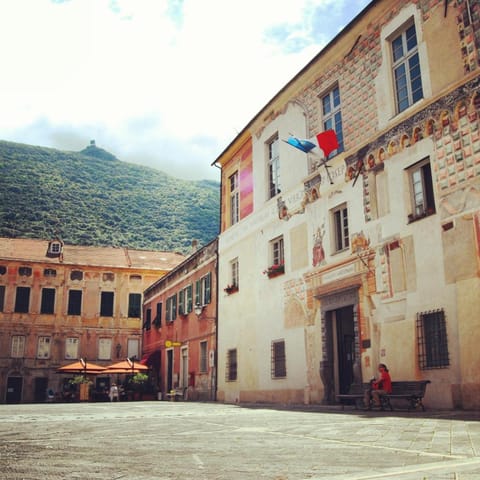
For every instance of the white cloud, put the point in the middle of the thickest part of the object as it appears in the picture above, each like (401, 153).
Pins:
(166, 83)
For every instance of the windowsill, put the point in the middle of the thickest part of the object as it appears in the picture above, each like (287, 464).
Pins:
(415, 218)
(231, 291)
(275, 274)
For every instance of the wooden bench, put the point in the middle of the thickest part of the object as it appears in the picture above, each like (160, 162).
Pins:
(411, 391)
(354, 396)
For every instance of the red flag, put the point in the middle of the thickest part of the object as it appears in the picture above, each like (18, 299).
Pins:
(327, 141)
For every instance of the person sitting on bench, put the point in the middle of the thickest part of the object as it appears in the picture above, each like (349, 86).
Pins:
(382, 386)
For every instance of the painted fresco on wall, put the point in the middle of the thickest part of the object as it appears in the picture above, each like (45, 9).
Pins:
(318, 253)
(453, 125)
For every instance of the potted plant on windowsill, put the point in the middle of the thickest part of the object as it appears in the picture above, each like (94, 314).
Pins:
(275, 270)
(229, 289)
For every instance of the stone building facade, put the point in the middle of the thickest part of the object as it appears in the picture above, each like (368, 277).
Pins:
(372, 254)
(61, 303)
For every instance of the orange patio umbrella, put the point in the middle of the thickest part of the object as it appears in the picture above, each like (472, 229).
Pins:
(126, 366)
(82, 366)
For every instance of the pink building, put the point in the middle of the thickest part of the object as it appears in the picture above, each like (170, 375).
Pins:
(179, 329)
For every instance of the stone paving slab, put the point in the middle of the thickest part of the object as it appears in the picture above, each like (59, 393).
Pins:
(173, 440)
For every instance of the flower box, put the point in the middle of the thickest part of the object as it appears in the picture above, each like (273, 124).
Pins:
(229, 289)
(275, 270)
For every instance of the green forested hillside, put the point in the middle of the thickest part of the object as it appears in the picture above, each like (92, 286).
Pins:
(92, 198)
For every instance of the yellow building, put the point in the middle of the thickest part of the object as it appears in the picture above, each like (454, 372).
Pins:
(61, 303)
(370, 254)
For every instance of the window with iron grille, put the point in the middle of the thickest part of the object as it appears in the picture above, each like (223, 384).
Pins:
(279, 359)
(432, 340)
(231, 370)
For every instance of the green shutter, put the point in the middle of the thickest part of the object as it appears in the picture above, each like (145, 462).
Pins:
(208, 292)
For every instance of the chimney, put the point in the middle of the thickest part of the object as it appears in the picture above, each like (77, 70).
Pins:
(194, 245)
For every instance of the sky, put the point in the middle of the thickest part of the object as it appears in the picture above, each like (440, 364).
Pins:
(162, 83)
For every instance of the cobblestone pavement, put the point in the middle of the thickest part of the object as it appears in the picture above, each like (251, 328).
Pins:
(182, 440)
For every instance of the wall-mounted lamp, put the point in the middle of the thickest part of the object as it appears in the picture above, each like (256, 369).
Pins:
(198, 309)
(118, 348)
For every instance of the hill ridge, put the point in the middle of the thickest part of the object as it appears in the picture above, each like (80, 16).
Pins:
(86, 200)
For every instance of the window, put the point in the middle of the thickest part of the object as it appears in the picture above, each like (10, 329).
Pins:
(132, 348)
(22, 300)
(234, 280)
(277, 255)
(340, 225)
(147, 324)
(76, 275)
(203, 293)
(157, 321)
(74, 302)
(203, 357)
(18, 346)
(185, 300)
(135, 278)
(48, 301)
(273, 167)
(421, 185)
(104, 348)
(43, 348)
(279, 361)
(3, 269)
(106, 304)
(55, 248)
(231, 370)
(234, 198)
(71, 348)
(25, 271)
(406, 69)
(49, 272)
(332, 116)
(432, 340)
(2, 297)
(171, 313)
(134, 304)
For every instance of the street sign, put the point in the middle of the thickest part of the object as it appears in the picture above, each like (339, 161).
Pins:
(170, 343)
